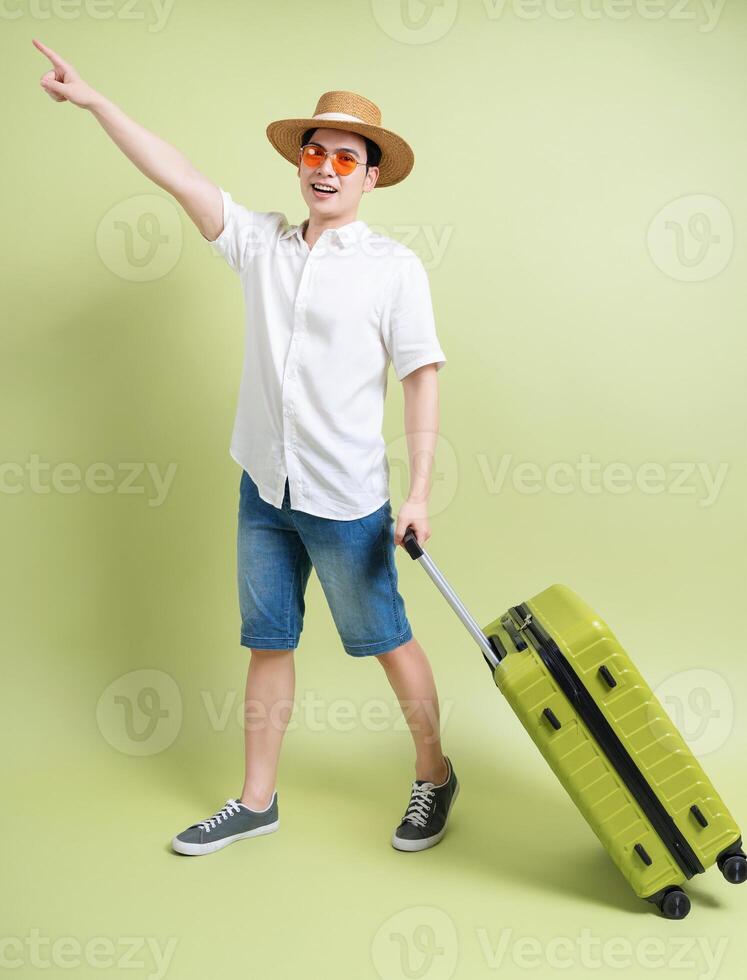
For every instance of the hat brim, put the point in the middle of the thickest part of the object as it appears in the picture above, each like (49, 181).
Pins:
(397, 157)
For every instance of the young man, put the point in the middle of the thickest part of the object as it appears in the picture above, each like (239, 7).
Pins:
(329, 304)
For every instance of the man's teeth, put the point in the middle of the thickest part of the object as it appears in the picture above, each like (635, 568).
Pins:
(324, 187)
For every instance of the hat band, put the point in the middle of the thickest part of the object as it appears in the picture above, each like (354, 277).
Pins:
(340, 116)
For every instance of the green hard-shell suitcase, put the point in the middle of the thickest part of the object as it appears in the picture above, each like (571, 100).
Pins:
(608, 740)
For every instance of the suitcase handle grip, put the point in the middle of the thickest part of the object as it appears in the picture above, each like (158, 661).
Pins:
(410, 542)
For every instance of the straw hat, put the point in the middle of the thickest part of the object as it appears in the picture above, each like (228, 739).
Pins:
(353, 113)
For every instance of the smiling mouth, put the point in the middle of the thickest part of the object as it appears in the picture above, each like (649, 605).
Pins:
(329, 192)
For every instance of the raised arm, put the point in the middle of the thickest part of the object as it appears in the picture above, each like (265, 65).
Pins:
(157, 159)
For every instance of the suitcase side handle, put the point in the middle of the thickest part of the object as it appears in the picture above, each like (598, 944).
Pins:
(490, 652)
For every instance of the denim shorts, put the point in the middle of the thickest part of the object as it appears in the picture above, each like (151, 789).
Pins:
(354, 561)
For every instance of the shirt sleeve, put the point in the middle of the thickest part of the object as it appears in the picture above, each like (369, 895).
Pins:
(245, 233)
(409, 328)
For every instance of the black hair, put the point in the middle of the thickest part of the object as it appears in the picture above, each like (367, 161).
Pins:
(373, 150)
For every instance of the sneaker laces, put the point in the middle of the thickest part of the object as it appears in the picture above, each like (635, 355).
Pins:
(223, 814)
(420, 803)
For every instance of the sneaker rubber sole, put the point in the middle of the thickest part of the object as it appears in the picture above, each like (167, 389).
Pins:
(402, 844)
(181, 847)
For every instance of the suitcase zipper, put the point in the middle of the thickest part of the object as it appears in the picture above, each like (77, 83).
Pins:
(578, 695)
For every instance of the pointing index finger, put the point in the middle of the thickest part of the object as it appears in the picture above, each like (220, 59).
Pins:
(56, 60)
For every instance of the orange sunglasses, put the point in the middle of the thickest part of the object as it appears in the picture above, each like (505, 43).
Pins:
(344, 163)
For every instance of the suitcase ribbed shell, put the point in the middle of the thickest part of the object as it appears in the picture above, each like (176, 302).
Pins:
(641, 724)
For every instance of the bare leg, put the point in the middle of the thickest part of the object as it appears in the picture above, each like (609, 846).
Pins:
(268, 705)
(409, 673)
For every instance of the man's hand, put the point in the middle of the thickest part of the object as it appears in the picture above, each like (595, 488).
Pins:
(413, 514)
(62, 82)
(157, 159)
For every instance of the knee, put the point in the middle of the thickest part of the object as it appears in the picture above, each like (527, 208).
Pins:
(393, 657)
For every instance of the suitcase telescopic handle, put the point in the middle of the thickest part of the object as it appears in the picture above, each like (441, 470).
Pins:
(416, 552)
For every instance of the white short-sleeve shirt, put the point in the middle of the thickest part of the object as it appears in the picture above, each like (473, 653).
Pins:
(322, 326)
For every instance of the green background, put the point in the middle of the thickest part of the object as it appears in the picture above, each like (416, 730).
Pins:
(577, 317)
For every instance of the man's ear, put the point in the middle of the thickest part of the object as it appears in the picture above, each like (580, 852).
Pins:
(371, 177)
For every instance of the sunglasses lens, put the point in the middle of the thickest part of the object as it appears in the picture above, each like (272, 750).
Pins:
(312, 156)
(344, 163)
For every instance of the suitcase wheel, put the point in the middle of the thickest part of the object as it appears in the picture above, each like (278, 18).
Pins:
(734, 868)
(674, 904)
(732, 863)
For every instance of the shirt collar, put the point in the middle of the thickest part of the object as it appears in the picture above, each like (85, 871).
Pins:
(345, 235)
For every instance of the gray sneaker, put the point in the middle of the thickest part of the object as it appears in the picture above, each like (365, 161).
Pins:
(234, 822)
(424, 822)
